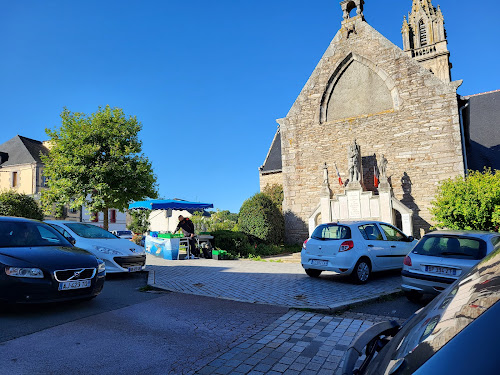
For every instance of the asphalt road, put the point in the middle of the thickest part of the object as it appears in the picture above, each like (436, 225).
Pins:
(126, 331)
(119, 291)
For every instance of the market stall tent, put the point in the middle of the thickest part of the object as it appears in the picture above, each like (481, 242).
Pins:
(168, 204)
(164, 212)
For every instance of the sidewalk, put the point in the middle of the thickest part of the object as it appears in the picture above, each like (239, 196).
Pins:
(297, 343)
(282, 284)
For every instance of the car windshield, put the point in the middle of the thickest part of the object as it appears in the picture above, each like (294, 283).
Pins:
(332, 232)
(29, 234)
(445, 317)
(451, 247)
(89, 231)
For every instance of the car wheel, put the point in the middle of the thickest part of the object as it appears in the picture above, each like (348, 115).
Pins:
(413, 296)
(362, 271)
(313, 273)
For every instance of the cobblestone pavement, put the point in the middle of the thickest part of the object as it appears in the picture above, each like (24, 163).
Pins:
(282, 284)
(297, 343)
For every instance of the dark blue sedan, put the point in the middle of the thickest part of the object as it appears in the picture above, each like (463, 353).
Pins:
(37, 264)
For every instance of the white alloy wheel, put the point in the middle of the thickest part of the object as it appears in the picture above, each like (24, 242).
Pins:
(362, 271)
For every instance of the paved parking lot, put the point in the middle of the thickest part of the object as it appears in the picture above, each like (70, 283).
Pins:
(282, 284)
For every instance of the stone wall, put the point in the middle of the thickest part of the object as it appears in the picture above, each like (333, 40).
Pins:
(419, 136)
(270, 179)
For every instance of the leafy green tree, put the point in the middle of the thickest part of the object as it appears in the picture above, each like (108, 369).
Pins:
(470, 203)
(260, 217)
(96, 161)
(275, 192)
(19, 205)
(139, 221)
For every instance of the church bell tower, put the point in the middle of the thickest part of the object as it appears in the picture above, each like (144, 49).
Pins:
(424, 38)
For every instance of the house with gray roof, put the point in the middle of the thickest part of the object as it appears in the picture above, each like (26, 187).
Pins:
(21, 169)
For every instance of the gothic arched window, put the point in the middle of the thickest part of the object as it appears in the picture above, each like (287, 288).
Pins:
(422, 33)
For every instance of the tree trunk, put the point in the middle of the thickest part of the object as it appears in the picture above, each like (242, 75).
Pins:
(106, 219)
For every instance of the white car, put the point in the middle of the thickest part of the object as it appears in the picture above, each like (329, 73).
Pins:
(355, 248)
(119, 255)
(125, 234)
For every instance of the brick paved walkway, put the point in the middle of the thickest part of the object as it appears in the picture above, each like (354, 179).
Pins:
(283, 284)
(297, 343)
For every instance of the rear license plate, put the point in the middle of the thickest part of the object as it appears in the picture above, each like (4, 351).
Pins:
(78, 284)
(441, 270)
(135, 269)
(316, 262)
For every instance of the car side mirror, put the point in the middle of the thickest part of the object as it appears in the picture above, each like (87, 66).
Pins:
(71, 240)
(411, 239)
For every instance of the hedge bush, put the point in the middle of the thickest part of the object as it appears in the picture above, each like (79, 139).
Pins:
(470, 203)
(235, 243)
(240, 244)
(19, 205)
(260, 217)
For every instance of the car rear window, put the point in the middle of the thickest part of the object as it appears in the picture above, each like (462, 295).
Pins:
(451, 247)
(332, 232)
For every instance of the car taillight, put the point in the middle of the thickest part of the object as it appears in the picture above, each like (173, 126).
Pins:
(346, 246)
(407, 261)
(305, 243)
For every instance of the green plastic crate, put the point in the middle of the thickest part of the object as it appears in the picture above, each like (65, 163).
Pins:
(219, 254)
(170, 235)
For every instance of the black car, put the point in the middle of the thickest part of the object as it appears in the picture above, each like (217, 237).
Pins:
(457, 333)
(37, 264)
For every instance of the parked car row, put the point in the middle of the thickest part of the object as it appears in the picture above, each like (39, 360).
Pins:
(456, 333)
(60, 260)
(428, 266)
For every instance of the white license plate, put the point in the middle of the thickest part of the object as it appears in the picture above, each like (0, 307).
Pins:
(316, 262)
(135, 269)
(78, 284)
(441, 270)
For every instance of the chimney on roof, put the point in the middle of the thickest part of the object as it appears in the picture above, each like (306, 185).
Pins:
(47, 144)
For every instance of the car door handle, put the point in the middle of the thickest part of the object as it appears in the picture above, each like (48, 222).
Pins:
(393, 246)
(370, 245)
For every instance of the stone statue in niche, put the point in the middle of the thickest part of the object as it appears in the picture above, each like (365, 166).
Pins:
(354, 157)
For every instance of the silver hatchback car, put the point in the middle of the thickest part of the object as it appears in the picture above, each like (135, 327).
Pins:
(441, 257)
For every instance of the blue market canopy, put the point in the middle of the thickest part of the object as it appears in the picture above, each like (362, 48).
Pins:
(168, 204)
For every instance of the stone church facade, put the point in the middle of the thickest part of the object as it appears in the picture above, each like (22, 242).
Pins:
(393, 102)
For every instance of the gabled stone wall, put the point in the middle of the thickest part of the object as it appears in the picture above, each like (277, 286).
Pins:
(419, 134)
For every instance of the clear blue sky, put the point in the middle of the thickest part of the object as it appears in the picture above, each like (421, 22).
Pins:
(206, 79)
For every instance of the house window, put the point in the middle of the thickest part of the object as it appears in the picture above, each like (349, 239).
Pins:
(422, 32)
(94, 217)
(15, 179)
(112, 216)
